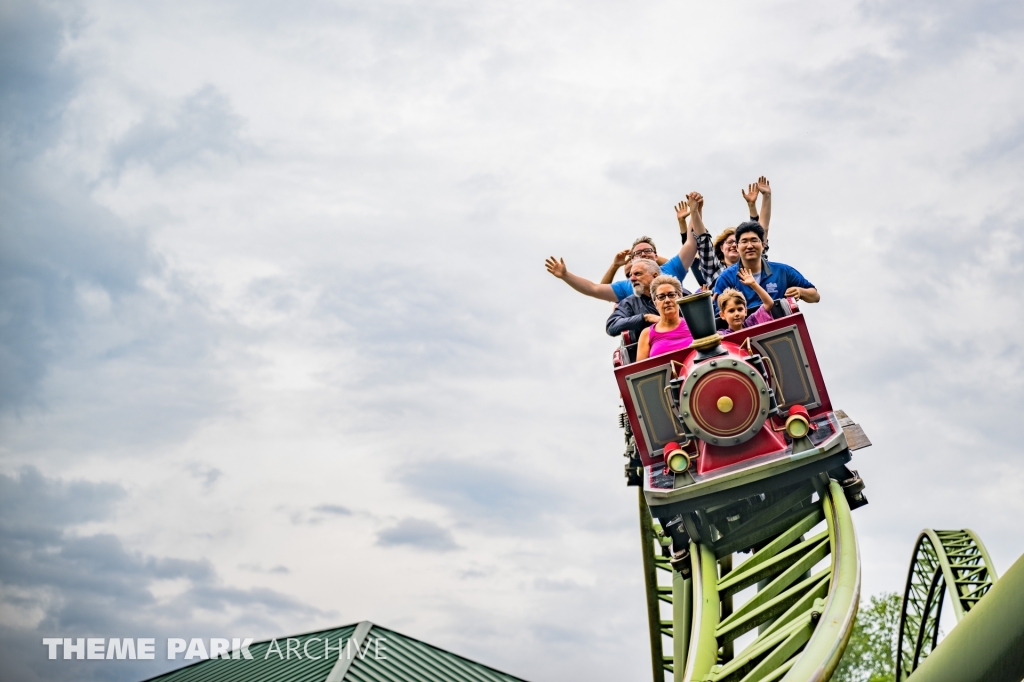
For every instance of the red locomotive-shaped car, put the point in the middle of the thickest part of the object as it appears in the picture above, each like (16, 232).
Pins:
(708, 424)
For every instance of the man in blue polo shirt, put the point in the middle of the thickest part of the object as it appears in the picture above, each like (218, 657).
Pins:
(643, 248)
(778, 279)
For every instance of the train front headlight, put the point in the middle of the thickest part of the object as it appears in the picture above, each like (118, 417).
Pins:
(798, 423)
(676, 459)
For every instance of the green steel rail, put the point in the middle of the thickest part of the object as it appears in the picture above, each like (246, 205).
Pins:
(987, 644)
(954, 559)
(799, 589)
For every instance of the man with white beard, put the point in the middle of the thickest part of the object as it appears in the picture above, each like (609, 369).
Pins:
(637, 312)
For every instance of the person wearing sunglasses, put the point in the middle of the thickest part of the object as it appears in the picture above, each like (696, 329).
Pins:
(670, 332)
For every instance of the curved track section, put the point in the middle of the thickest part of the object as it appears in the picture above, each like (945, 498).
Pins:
(784, 613)
(953, 559)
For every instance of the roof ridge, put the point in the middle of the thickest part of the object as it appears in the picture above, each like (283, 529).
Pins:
(342, 665)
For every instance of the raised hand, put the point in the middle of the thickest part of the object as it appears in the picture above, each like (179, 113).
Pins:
(682, 212)
(745, 276)
(621, 258)
(751, 194)
(556, 267)
(695, 201)
(763, 187)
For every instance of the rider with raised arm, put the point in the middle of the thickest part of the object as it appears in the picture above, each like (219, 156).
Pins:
(718, 254)
(620, 260)
(777, 279)
(643, 247)
(732, 305)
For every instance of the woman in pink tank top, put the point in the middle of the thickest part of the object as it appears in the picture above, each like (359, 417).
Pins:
(671, 332)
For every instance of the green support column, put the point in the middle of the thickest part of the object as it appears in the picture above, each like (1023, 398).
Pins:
(725, 566)
(704, 650)
(647, 537)
(682, 619)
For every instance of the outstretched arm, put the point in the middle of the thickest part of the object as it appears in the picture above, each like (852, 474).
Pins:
(709, 264)
(580, 284)
(617, 262)
(751, 198)
(688, 251)
(747, 278)
(695, 202)
(766, 204)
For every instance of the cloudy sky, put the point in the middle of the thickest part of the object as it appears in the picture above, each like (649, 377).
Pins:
(279, 352)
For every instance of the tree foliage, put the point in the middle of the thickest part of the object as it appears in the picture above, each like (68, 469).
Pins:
(871, 653)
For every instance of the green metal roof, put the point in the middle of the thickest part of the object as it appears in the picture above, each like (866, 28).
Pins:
(402, 659)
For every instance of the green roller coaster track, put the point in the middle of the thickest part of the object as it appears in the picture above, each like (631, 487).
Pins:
(799, 589)
(956, 559)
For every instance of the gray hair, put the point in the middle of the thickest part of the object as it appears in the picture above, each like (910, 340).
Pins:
(648, 265)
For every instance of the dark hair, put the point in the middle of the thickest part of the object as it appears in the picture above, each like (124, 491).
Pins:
(643, 240)
(750, 226)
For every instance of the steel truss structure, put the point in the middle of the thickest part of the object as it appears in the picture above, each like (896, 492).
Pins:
(954, 559)
(799, 588)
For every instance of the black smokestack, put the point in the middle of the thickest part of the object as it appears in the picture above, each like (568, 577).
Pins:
(700, 318)
(699, 314)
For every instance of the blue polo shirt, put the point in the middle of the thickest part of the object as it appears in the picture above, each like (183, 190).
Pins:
(775, 279)
(673, 266)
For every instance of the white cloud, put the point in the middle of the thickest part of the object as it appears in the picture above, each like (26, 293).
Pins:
(315, 283)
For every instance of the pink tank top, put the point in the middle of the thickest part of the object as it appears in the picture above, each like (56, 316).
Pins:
(666, 342)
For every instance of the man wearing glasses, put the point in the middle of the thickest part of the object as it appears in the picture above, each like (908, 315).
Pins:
(643, 247)
(778, 279)
(716, 255)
